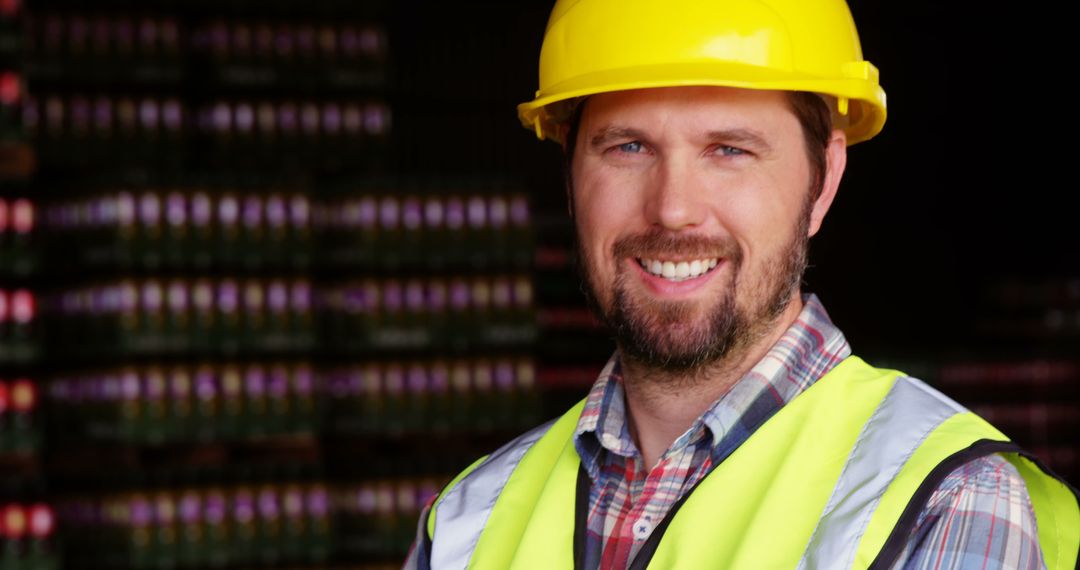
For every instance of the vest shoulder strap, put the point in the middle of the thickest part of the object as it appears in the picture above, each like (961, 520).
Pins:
(1055, 504)
(462, 510)
(913, 429)
(1057, 511)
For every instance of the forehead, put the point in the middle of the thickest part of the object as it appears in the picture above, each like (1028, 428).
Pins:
(692, 108)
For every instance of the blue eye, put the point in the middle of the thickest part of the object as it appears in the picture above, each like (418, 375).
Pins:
(631, 147)
(730, 151)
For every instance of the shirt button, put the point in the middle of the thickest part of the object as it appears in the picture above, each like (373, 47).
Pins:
(642, 529)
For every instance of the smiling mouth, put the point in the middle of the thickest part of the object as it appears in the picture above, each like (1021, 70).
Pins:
(676, 271)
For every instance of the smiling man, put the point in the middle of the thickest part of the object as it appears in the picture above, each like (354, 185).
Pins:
(732, 428)
(693, 206)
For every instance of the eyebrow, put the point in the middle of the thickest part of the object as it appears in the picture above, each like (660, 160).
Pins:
(739, 136)
(610, 133)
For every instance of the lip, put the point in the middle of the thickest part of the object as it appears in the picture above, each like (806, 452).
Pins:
(663, 288)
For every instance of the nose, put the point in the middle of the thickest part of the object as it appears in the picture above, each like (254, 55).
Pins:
(676, 197)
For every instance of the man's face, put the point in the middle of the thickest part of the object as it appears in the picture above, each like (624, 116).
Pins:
(693, 208)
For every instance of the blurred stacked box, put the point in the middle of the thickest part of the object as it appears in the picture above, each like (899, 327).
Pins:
(207, 526)
(1019, 369)
(27, 536)
(28, 529)
(236, 330)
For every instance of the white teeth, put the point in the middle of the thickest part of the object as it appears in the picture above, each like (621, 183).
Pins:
(668, 270)
(682, 270)
(679, 271)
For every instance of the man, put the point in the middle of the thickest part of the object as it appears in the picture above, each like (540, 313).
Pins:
(705, 142)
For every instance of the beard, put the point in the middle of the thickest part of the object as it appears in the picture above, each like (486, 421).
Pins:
(669, 336)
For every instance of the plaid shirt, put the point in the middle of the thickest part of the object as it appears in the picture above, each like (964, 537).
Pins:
(980, 516)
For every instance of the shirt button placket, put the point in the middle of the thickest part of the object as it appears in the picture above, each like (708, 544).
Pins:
(642, 528)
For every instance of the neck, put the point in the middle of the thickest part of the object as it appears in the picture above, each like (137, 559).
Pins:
(662, 405)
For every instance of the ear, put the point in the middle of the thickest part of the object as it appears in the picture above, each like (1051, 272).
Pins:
(835, 161)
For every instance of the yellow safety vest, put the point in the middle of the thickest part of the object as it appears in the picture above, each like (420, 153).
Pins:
(835, 479)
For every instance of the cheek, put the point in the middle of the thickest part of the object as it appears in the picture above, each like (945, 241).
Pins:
(604, 210)
(743, 210)
(766, 210)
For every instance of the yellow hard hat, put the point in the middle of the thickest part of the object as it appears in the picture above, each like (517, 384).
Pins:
(597, 46)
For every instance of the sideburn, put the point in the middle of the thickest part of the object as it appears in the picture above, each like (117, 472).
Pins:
(569, 145)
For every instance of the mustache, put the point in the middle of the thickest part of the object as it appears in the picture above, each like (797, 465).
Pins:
(659, 244)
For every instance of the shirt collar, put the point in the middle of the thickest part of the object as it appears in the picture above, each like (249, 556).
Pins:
(809, 348)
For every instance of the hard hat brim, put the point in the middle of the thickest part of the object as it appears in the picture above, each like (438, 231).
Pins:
(864, 100)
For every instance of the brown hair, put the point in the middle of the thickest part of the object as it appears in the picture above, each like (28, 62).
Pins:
(816, 121)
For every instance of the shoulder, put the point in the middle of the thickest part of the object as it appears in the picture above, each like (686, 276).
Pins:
(470, 496)
(487, 475)
(503, 461)
(990, 476)
(507, 456)
(980, 515)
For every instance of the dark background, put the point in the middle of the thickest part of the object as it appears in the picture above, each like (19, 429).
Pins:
(949, 252)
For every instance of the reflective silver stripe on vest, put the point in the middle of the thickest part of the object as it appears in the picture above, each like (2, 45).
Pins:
(906, 416)
(463, 512)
